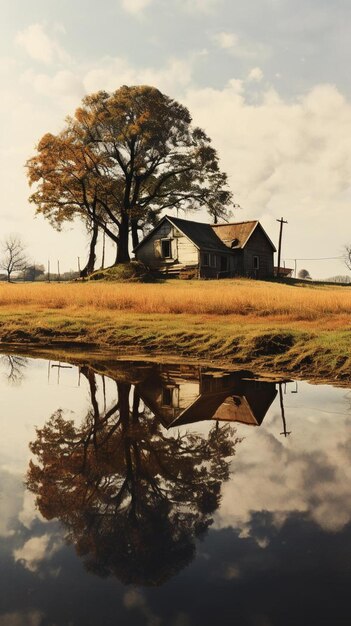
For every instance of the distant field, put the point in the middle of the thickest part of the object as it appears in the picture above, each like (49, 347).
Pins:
(226, 297)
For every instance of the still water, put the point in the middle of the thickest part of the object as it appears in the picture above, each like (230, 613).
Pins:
(171, 495)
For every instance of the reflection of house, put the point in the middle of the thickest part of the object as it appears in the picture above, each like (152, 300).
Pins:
(210, 250)
(180, 397)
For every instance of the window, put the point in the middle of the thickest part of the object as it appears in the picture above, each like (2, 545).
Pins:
(213, 260)
(166, 248)
(209, 260)
(170, 397)
(256, 263)
(167, 396)
(205, 259)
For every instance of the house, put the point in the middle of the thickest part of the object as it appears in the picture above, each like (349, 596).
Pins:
(177, 245)
(178, 396)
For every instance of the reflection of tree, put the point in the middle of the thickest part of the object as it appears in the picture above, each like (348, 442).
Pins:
(13, 368)
(132, 496)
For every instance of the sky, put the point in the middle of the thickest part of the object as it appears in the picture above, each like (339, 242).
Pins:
(268, 80)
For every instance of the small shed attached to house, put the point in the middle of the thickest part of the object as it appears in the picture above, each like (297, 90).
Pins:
(211, 250)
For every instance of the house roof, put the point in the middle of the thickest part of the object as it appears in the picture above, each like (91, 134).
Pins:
(202, 235)
(218, 237)
(236, 234)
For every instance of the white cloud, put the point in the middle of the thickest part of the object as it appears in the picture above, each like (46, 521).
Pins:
(65, 86)
(242, 49)
(111, 73)
(136, 7)
(226, 40)
(40, 46)
(285, 155)
(255, 75)
(200, 6)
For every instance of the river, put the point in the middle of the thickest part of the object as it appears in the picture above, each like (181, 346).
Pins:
(171, 494)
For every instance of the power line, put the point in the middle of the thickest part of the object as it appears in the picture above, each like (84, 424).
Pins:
(323, 258)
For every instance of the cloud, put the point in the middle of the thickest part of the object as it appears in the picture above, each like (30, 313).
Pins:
(134, 599)
(36, 550)
(235, 46)
(29, 618)
(226, 40)
(302, 474)
(136, 7)
(283, 153)
(40, 46)
(111, 73)
(200, 6)
(255, 75)
(64, 86)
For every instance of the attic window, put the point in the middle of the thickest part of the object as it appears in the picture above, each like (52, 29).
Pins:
(166, 248)
(234, 242)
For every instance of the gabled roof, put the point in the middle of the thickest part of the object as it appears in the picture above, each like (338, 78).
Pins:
(218, 237)
(202, 235)
(237, 234)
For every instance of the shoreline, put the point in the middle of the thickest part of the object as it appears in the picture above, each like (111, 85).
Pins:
(271, 348)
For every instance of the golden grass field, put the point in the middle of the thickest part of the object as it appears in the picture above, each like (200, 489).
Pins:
(301, 329)
(227, 297)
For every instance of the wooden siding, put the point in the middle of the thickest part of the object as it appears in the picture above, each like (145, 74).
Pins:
(258, 246)
(184, 252)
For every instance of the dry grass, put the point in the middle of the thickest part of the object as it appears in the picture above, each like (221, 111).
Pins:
(227, 297)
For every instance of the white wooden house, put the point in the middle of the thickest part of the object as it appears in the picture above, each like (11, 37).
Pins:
(209, 250)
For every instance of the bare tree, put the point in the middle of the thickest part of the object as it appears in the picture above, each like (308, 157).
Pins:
(13, 257)
(347, 256)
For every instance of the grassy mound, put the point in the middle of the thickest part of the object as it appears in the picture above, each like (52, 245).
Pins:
(123, 272)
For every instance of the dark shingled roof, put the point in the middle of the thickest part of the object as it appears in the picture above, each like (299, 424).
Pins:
(201, 234)
(218, 237)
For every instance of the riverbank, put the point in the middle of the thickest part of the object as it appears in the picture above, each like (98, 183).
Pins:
(299, 351)
(301, 331)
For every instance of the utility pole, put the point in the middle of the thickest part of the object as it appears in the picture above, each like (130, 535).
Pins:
(78, 266)
(282, 221)
(285, 431)
(58, 271)
(48, 270)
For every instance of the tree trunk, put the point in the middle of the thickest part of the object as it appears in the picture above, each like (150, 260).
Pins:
(123, 241)
(89, 268)
(135, 235)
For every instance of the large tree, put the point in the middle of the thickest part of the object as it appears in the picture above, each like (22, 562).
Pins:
(121, 160)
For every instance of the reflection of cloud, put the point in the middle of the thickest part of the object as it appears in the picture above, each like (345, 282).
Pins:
(29, 512)
(31, 618)
(308, 473)
(134, 599)
(10, 501)
(36, 550)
